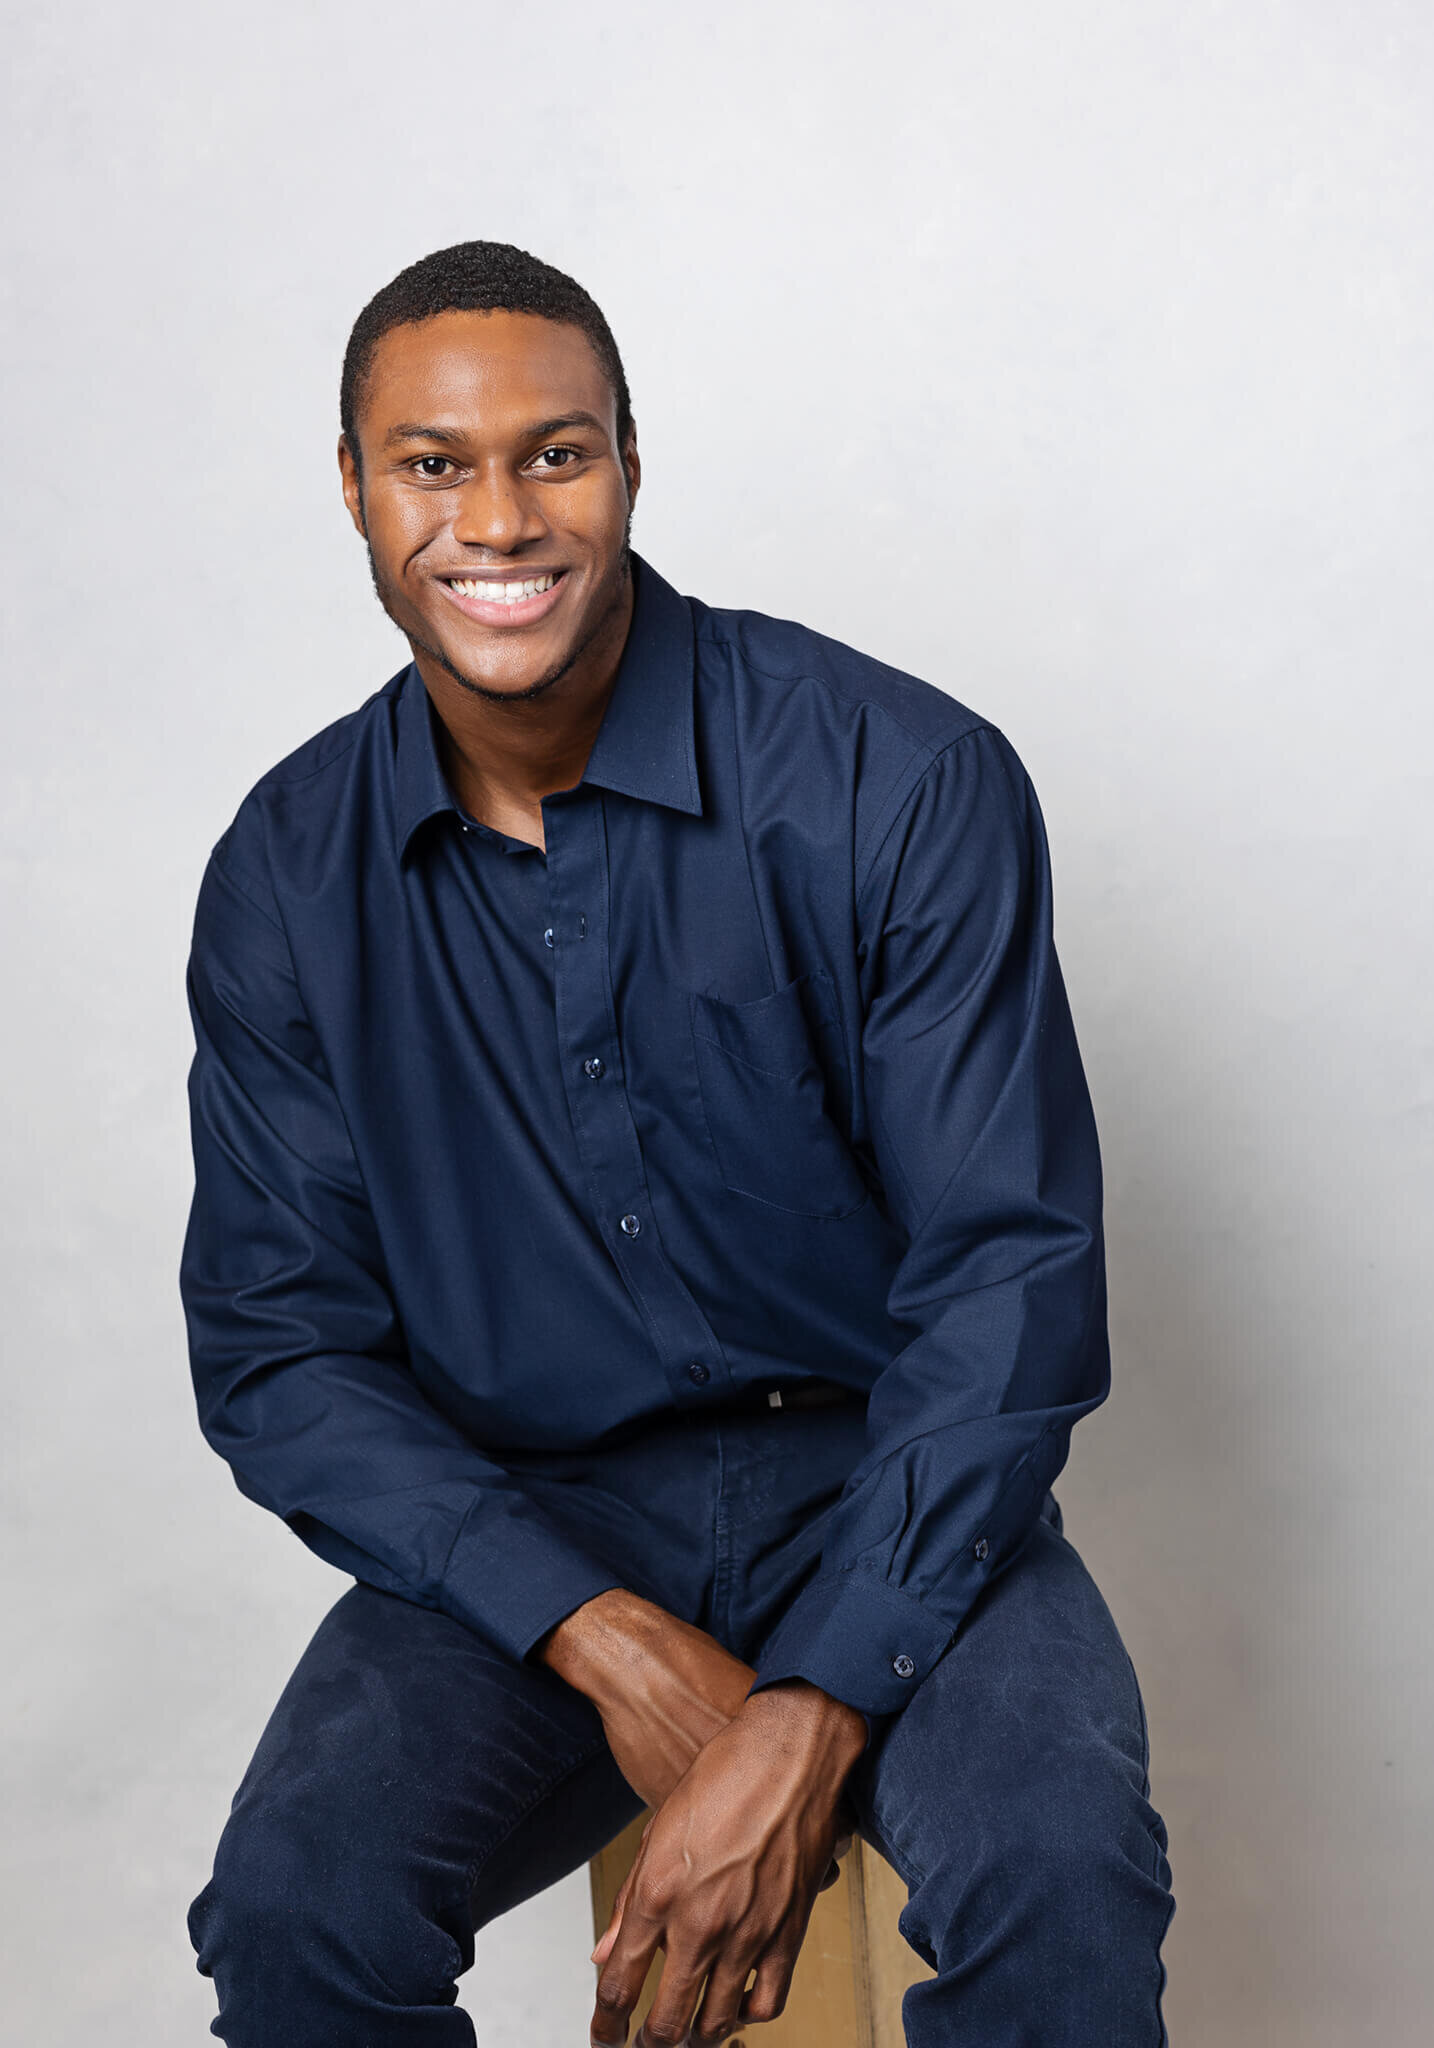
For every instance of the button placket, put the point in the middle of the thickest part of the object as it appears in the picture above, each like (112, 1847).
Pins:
(579, 897)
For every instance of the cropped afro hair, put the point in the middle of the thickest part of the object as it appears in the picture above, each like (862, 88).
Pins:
(476, 277)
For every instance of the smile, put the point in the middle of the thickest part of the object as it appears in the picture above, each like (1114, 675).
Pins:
(501, 593)
(509, 601)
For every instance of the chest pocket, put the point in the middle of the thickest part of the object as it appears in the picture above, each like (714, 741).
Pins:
(763, 1067)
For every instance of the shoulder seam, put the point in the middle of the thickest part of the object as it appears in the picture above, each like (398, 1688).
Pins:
(275, 779)
(806, 675)
(232, 875)
(274, 776)
(903, 790)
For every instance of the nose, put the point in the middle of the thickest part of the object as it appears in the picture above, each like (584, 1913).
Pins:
(496, 512)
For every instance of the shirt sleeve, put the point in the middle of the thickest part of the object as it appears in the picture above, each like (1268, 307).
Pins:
(985, 1142)
(297, 1352)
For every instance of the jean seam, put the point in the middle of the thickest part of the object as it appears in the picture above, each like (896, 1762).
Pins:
(721, 1548)
(549, 1785)
(909, 1876)
(1154, 1839)
(474, 1869)
(1144, 1726)
(1163, 2038)
(872, 1835)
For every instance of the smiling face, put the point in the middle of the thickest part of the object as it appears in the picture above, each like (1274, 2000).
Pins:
(495, 499)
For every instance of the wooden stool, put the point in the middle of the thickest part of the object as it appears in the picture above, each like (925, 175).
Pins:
(854, 1965)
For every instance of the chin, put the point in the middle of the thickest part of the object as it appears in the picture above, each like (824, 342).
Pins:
(504, 678)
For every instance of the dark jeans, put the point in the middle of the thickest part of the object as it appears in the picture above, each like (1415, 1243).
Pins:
(414, 1783)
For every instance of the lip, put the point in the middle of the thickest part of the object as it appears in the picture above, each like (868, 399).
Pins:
(526, 612)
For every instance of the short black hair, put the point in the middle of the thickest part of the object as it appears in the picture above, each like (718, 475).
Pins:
(477, 277)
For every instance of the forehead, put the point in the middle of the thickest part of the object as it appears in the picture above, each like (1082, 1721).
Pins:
(482, 371)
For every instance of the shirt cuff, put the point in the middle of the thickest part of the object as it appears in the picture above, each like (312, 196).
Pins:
(515, 1583)
(857, 1638)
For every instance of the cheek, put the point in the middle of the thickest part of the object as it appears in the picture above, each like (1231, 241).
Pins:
(399, 529)
(597, 513)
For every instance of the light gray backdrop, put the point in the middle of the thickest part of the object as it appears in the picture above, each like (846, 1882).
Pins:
(1074, 356)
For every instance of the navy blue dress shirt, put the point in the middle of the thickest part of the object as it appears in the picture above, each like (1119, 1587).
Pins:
(761, 1072)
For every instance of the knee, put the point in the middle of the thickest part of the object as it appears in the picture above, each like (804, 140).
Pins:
(270, 1878)
(293, 1903)
(1070, 1856)
(1091, 1835)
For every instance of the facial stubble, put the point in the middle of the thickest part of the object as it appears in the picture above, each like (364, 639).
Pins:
(384, 591)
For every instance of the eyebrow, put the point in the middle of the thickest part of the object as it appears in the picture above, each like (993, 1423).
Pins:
(450, 437)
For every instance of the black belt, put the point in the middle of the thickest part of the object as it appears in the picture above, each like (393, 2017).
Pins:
(805, 1394)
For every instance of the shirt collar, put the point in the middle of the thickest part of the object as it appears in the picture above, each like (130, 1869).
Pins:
(644, 746)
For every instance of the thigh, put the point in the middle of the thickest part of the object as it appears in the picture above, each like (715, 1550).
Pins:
(410, 1764)
(1026, 1744)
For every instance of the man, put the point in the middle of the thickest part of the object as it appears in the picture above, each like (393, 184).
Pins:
(647, 1232)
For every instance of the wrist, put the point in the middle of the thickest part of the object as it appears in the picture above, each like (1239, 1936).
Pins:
(594, 1644)
(827, 1725)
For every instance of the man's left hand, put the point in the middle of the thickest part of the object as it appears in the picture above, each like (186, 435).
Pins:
(727, 1873)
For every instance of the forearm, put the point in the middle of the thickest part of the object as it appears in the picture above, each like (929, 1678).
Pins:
(665, 1688)
(608, 1644)
(611, 1645)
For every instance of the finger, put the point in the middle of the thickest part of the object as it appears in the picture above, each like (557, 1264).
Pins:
(619, 1904)
(669, 2018)
(609, 1934)
(769, 1994)
(607, 1938)
(840, 1848)
(623, 1974)
(716, 2019)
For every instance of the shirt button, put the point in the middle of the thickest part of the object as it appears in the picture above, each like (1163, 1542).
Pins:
(983, 1548)
(630, 1225)
(902, 1666)
(594, 1068)
(548, 936)
(698, 1373)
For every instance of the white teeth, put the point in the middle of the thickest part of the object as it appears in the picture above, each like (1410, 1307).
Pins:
(501, 593)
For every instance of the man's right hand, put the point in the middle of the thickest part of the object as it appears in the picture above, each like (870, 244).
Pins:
(662, 1687)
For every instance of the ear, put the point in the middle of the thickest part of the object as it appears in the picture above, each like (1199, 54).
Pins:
(353, 486)
(632, 465)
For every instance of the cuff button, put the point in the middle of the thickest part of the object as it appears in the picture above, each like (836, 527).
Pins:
(903, 1666)
(983, 1549)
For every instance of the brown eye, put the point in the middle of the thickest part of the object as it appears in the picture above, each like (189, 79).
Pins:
(432, 466)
